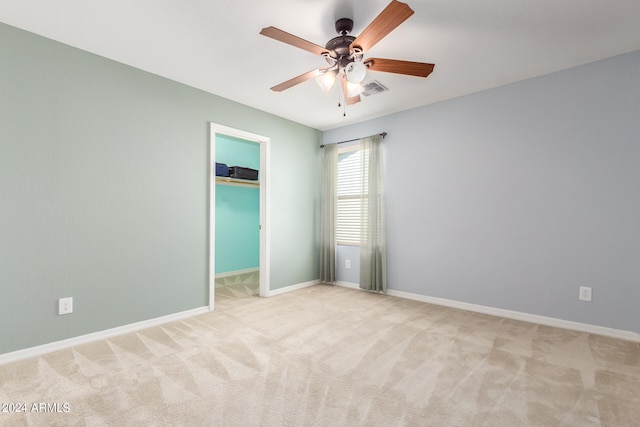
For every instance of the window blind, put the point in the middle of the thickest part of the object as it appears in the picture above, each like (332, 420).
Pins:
(350, 192)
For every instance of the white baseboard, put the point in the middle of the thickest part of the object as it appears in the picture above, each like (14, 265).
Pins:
(133, 327)
(509, 314)
(349, 285)
(292, 288)
(525, 317)
(235, 273)
(95, 336)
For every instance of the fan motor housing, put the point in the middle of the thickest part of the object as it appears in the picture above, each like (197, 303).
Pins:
(339, 46)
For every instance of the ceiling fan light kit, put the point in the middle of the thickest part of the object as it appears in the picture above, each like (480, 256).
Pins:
(354, 89)
(355, 72)
(326, 80)
(345, 54)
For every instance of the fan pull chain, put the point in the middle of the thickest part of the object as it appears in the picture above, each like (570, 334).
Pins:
(341, 104)
(344, 104)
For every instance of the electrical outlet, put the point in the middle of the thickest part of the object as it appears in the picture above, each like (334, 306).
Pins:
(65, 305)
(585, 293)
(347, 264)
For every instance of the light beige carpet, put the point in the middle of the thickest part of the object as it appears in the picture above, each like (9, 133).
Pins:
(237, 286)
(329, 356)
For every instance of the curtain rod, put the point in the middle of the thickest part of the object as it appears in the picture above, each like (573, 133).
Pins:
(382, 134)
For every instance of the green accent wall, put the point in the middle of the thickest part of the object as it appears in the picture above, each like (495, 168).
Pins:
(237, 245)
(104, 183)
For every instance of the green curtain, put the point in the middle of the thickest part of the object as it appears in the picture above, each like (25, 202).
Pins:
(373, 248)
(328, 214)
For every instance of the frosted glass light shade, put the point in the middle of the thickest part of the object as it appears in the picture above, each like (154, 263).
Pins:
(354, 89)
(355, 72)
(326, 80)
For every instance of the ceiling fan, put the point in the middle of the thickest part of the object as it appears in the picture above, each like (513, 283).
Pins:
(345, 54)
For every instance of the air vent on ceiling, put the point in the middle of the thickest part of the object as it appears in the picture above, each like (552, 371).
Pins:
(372, 88)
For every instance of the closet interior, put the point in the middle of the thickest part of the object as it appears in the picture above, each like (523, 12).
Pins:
(237, 219)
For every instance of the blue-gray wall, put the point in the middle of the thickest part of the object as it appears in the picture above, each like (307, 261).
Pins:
(351, 254)
(516, 196)
(104, 192)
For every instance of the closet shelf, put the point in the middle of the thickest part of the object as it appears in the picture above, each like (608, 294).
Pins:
(237, 181)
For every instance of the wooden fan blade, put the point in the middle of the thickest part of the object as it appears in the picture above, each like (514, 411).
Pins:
(392, 16)
(349, 100)
(297, 80)
(296, 41)
(418, 69)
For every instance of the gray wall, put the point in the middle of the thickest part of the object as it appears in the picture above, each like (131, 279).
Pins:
(103, 192)
(516, 196)
(352, 254)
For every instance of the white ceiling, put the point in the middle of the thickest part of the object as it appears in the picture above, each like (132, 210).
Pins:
(214, 45)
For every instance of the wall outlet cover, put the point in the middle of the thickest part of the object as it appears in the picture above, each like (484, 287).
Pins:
(585, 293)
(65, 305)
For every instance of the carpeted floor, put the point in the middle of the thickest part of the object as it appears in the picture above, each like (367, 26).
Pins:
(330, 356)
(242, 286)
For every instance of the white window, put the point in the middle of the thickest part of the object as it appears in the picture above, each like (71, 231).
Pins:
(350, 193)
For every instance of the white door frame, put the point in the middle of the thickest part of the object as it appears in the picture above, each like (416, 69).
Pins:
(265, 142)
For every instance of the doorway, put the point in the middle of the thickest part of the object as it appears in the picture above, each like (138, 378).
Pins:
(220, 131)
